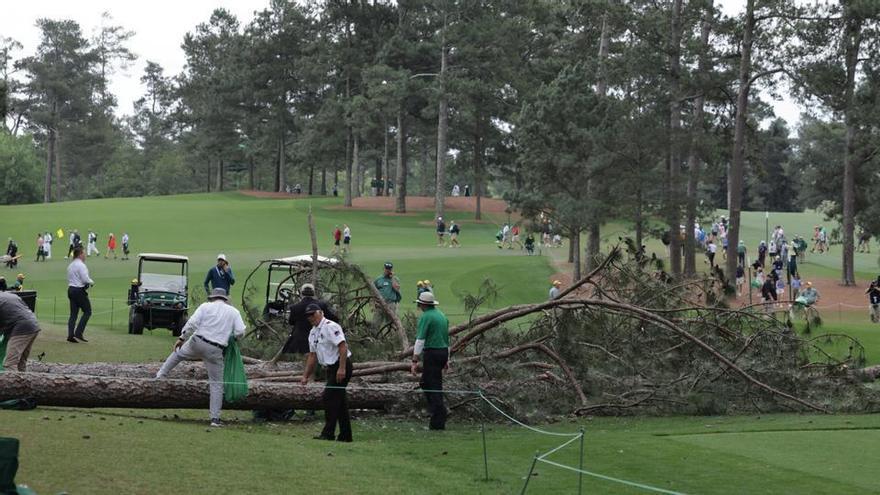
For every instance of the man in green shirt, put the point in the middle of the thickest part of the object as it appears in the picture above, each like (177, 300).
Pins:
(389, 287)
(432, 343)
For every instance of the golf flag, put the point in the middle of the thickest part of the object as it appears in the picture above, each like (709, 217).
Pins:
(59, 234)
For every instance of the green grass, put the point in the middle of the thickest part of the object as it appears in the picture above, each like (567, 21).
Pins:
(155, 452)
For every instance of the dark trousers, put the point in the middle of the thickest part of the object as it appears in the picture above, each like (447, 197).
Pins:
(336, 404)
(79, 300)
(741, 257)
(433, 362)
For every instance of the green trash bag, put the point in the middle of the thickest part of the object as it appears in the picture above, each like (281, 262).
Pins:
(234, 378)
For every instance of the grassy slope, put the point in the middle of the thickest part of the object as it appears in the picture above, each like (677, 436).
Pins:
(146, 453)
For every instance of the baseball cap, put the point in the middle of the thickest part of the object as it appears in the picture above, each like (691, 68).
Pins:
(222, 256)
(389, 265)
(307, 290)
(312, 309)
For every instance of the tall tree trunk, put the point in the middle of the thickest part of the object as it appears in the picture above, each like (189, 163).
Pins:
(735, 174)
(594, 243)
(442, 130)
(279, 165)
(50, 157)
(358, 170)
(640, 221)
(853, 45)
(324, 179)
(478, 167)
(350, 155)
(220, 177)
(427, 170)
(673, 189)
(386, 175)
(59, 189)
(311, 177)
(694, 161)
(400, 178)
(210, 176)
(251, 166)
(576, 254)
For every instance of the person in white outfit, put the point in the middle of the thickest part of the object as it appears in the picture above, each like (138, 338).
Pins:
(47, 245)
(211, 327)
(93, 244)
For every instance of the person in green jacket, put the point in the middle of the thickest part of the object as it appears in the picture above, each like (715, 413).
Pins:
(389, 288)
(432, 343)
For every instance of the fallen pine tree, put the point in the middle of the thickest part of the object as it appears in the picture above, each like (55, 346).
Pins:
(49, 389)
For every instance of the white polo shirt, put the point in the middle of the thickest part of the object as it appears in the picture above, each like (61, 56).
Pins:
(215, 321)
(324, 340)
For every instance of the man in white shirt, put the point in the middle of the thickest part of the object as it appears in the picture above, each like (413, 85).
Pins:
(78, 283)
(327, 347)
(92, 244)
(211, 326)
(47, 245)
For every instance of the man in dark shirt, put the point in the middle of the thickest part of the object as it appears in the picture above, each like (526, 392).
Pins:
(873, 293)
(298, 341)
(20, 327)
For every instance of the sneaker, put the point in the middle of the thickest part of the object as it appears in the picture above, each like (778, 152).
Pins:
(72, 340)
(216, 423)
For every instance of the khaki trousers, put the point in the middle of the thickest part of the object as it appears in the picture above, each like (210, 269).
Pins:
(17, 351)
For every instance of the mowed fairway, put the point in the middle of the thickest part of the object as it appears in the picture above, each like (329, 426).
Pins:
(146, 452)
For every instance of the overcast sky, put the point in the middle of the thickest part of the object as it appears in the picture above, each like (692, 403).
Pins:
(159, 27)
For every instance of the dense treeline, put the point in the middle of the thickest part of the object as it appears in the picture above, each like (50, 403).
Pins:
(577, 112)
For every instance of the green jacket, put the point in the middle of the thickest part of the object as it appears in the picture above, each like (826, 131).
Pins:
(386, 288)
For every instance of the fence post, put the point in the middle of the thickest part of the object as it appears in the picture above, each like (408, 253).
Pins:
(485, 454)
(529, 476)
(581, 464)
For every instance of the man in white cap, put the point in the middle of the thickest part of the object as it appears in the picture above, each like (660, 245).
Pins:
(432, 343)
(220, 276)
(211, 327)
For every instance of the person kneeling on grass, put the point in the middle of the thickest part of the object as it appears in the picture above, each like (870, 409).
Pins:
(327, 347)
(211, 326)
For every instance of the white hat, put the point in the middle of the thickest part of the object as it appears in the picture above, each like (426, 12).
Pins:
(427, 298)
(218, 293)
(222, 256)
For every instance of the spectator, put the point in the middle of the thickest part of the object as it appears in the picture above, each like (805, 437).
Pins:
(3, 286)
(762, 254)
(530, 244)
(220, 276)
(441, 231)
(111, 246)
(47, 245)
(337, 237)
(795, 285)
(125, 250)
(873, 293)
(346, 238)
(554, 290)
(432, 343)
(389, 288)
(740, 279)
(454, 230)
(710, 253)
(92, 244)
(741, 253)
(40, 252)
(21, 329)
(298, 341)
(78, 283)
(19, 282)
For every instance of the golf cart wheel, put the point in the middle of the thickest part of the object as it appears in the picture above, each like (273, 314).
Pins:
(137, 323)
(131, 314)
(178, 328)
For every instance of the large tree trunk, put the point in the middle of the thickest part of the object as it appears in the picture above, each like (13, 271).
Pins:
(50, 151)
(735, 174)
(94, 391)
(478, 168)
(694, 161)
(427, 170)
(251, 166)
(351, 172)
(324, 179)
(594, 242)
(442, 130)
(400, 176)
(280, 164)
(673, 190)
(220, 176)
(853, 44)
(386, 166)
(57, 155)
(576, 254)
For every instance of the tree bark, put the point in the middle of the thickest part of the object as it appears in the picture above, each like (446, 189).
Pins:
(694, 161)
(220, 176)
(351, 172)
(735, 174)
(673, 190)
(50, 152)
(251, 166)
(57, 154)
(853, 44)
(427, 171)
(324, 179)
(594, 242)
(478, 167)
(442, 131)
(386, 174)
(576, 254)
(111, 392)
(400, 176)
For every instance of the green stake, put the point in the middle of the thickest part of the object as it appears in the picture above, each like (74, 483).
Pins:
(529, 476)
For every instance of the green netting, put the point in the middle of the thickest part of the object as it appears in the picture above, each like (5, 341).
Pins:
(234, 378)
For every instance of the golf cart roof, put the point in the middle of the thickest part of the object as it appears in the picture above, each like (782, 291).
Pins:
(163, 257)
(303, 258)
